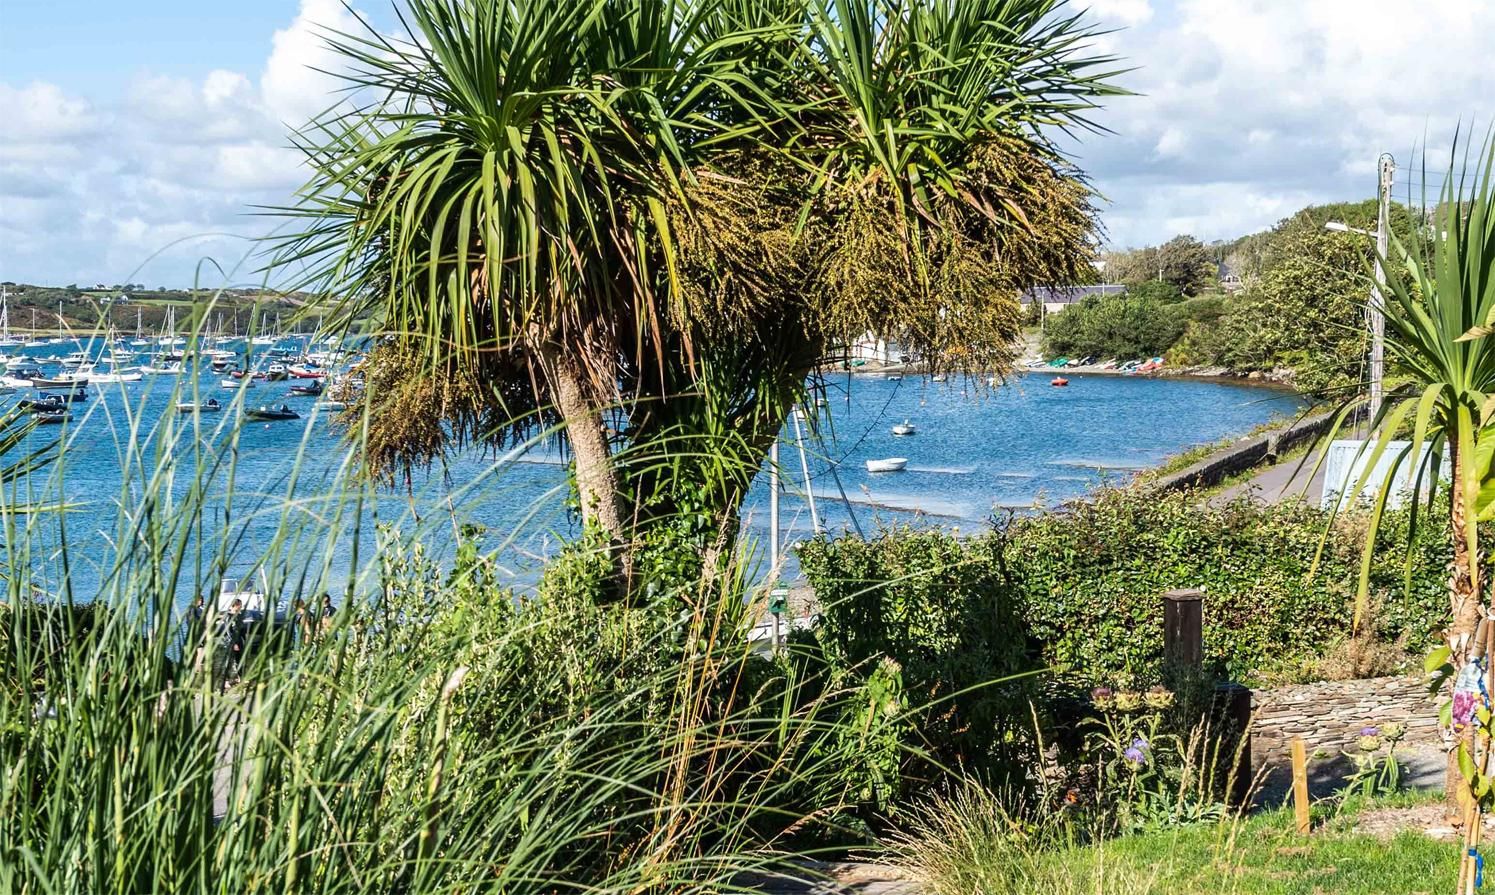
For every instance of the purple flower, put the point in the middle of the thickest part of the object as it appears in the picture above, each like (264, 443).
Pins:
(1139, 744)
(1370, 731)
(1134, 755)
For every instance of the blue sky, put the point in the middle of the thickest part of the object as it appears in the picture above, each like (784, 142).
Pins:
(137, 136)
(95, 48)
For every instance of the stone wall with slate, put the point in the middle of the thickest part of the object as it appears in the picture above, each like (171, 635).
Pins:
(1329, 715)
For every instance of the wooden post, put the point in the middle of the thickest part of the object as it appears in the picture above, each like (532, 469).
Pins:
(1300, 784)
(1183, 629)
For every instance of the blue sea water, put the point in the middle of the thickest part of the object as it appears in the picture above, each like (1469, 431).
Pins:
(977, 451)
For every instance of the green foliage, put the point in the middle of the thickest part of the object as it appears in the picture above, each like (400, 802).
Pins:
(937, 609)
(1121, 326)
(1183, 264)
(1306, 312)
(1080, 589)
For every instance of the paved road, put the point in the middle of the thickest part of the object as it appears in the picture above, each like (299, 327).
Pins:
(1273, 484)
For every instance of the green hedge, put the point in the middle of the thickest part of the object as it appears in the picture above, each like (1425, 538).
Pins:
(1079, 589)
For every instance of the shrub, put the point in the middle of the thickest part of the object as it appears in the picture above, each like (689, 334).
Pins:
(1079, 589)
(938, 609)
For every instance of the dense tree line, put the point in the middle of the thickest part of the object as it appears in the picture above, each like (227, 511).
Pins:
(1301, 307)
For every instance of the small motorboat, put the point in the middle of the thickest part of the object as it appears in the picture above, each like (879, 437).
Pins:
(301, 371)
(307, 388)
(237, 383)
(940, 377)
(336, 406)
(904, 428)
(1058, 382)
(211, 405)
(53, 417)
(47, 404)
(890, 464)
(270, 414)
(894, 377)
(276, 372)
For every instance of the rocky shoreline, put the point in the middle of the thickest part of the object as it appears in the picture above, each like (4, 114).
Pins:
(1281, 377)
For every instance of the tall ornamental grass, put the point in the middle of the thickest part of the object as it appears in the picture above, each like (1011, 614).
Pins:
(440, 735)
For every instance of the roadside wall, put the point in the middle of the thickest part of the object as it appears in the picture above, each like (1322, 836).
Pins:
(1245, 455)
(1329, 715)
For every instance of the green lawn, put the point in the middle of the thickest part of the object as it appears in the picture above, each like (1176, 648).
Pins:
(1259, 856)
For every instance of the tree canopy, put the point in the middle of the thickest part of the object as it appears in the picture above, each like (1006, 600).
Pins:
(649, 220)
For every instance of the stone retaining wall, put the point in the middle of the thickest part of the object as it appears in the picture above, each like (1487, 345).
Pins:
(1329, 715)
(1245, 455)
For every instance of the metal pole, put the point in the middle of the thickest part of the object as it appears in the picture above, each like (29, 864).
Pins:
(1377, 309)
(804, 466)
(773, 506)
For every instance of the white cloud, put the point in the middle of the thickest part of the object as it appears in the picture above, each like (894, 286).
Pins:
(90, 192)
(42, 113)
(294, 82)
(1251, 110)
(1125, 12)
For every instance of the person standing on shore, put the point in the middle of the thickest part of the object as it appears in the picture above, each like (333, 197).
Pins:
(300, 623)
(328, 611)
(231, 637)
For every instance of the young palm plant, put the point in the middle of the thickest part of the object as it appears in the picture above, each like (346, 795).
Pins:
(1439, 307)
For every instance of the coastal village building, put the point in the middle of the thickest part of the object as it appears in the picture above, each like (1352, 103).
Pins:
(1057, 298)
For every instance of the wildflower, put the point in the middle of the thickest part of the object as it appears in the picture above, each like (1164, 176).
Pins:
(1140, 744)
(1135, 756)
(1368, 743)
(1102, 698)
(1370, 731)
(1128, 701)
(1158, 697)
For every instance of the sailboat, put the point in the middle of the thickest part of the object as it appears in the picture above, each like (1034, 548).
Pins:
(34, 341)
(140, 341)
(6, 339)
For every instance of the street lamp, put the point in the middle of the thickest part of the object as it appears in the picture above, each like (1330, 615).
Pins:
(1377, 313)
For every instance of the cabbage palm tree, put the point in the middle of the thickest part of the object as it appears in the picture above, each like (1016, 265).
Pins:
(648, 220)
(1440, 310)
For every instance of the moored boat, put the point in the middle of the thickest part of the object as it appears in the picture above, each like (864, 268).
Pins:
(270, 414)
(65, 381)
(905, 428)
(889, 464)
(211, 405)
(1058, 382)
(309, 388)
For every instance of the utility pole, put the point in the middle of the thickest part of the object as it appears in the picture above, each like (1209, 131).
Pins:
(1377, 309)
(773, 506)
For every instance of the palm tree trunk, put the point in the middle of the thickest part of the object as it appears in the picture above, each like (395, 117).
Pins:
(596, 479)
(1464, 599)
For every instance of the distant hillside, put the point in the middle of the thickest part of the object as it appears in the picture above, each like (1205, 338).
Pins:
(123, 306)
